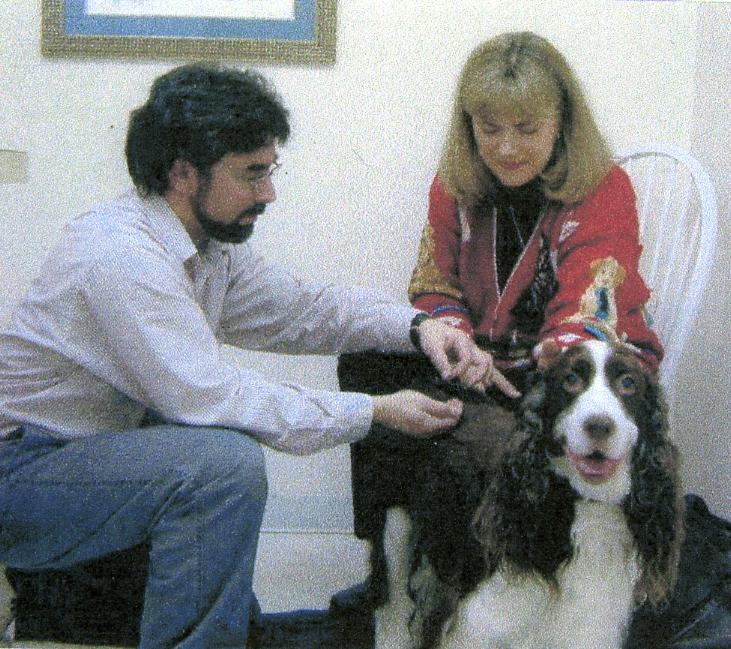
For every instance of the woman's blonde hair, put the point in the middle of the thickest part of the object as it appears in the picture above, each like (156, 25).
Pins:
(521, 73)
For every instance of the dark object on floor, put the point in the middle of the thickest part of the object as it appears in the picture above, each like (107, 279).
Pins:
(314, 630)
(363, 598)
(99, 602)
(699, 614)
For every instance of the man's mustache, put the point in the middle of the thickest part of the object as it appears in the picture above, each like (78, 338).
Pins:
(255, 210)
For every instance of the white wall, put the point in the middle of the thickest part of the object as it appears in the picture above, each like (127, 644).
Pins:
(366, 137)
(703, 415)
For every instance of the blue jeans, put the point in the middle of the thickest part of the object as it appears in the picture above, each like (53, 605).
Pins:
(196, 495)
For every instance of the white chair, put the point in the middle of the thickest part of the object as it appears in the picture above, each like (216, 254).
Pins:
(677, 208)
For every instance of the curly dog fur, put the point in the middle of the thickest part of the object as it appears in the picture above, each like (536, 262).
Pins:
(579, 519)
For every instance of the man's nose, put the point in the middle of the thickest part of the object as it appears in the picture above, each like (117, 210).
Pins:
(265, 192)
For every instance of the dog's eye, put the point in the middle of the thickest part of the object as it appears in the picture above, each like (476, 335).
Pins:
(626, 385)
(572, 383)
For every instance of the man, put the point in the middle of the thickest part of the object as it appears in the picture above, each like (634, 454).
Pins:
(120, 419)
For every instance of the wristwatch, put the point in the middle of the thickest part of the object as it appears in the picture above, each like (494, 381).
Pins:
(414, 329)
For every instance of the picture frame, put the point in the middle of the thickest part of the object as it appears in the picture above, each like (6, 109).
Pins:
(276, 31)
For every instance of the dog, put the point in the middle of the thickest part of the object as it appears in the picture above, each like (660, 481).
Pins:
(580, 520)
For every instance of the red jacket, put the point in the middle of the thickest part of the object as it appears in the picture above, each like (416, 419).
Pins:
(578, 275)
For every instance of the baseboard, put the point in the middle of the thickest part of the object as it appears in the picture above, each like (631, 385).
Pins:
(309, 514)
(302, 570)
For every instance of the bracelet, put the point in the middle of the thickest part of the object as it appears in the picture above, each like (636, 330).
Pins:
(414, 329)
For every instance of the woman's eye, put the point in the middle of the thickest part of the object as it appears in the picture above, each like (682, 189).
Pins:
(489, 129)
(527, 129)
(626, 385)
(572, 383)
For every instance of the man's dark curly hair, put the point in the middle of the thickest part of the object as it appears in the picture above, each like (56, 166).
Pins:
(199, 113)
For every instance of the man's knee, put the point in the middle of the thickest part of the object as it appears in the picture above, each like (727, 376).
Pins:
(238, 458)
(223, 460)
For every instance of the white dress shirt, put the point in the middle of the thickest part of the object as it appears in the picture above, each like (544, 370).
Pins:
(127, 315)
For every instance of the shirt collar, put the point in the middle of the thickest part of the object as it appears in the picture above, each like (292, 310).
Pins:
(169, 228)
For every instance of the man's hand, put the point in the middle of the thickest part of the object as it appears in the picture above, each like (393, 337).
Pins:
(416, 414)
(455, 355)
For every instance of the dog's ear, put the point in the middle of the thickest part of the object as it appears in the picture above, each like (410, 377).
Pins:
(548, 353)
(524, 520)
(654, 508)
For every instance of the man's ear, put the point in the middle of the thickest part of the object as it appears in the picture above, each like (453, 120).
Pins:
(183, 178)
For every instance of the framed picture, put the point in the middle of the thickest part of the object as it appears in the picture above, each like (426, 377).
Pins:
(265, 31)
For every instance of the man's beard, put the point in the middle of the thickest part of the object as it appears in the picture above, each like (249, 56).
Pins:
(226, 232)
(233, 232)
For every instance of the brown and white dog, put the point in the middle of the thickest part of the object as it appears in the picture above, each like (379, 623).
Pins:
(580, 521)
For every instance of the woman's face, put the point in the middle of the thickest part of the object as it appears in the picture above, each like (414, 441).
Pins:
(515, 148)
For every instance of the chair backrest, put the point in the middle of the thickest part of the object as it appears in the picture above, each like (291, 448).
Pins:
(677, 209)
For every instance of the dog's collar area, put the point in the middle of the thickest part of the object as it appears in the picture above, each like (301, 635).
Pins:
(455, 389)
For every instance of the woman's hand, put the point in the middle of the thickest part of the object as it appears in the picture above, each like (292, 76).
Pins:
(455, 355)
(415, 414)
(481, 374)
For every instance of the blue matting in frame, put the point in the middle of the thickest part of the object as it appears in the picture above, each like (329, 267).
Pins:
(78, 22)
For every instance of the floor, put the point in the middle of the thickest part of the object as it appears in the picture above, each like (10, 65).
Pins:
(293, 571)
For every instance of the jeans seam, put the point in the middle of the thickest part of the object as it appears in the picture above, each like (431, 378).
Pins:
(79, 483)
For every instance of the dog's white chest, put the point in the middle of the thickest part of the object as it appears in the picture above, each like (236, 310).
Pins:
(591, 607)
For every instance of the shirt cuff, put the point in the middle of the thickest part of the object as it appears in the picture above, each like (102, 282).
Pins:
(358, 410)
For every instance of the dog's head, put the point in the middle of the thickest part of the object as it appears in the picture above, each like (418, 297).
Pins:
(593, 426)
(595, 405)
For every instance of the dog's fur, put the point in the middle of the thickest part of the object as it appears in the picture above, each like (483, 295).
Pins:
(581, 520)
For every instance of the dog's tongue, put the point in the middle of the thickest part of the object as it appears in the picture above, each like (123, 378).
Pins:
(593, 469)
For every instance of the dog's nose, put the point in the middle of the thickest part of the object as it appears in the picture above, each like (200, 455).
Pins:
(599, 427)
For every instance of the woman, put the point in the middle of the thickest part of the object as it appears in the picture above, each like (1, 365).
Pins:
(531, 243)
(532, 233)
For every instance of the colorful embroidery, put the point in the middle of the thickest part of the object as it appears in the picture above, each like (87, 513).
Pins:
(427, 277)
(568, 339)
(599, 302)
(600, 331)
(567, 229)
(446, 308)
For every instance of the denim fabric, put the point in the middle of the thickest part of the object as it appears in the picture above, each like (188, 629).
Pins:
(196, 495)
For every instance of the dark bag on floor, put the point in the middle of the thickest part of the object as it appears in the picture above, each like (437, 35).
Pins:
(99, 602)
(698, 616)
